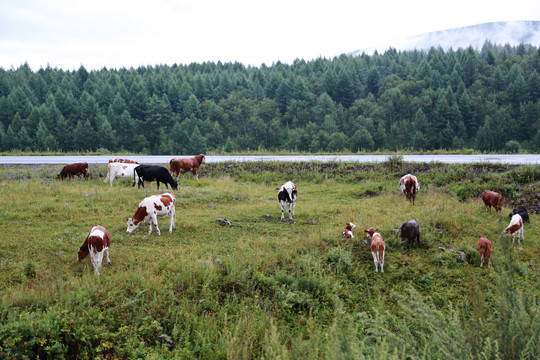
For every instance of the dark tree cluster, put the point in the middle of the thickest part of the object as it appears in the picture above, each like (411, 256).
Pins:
(484, 99)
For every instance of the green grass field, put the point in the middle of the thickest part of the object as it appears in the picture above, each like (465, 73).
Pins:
(266, 288)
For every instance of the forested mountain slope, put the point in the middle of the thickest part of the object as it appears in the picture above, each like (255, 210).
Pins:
(422, 100)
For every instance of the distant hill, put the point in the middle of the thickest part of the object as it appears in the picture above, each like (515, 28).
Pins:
(500, 33)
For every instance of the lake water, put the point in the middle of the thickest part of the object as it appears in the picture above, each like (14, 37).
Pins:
(526, 159)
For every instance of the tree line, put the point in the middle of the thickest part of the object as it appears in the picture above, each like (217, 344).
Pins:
(484, 99)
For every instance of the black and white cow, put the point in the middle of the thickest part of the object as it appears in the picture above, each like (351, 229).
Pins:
(151, 173)
(287, 195)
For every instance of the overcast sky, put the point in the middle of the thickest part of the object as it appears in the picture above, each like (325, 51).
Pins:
(130, 33)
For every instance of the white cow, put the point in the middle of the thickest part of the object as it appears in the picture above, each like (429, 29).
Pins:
(117, 169)
(152, 207)
(287, 195)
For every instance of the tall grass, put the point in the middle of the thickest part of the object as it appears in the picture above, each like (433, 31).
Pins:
(262, 287)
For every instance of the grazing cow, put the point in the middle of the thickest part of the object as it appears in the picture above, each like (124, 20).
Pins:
(484, 248)
(377, 248)
(409, 185)
(144, 173)
(515, 227)
(121, 170)
(74, 169)
(491, 198)
(347, 232)
(96, 244)
(522, 211)
(182, 165)
(152, 207)
(287, 195)
(409, 231)
(126, 161)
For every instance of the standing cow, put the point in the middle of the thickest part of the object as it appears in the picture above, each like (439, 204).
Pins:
(158, 173)
(74, 169)
(121, 170)
(484, 248)
(97, 244)
(409, 231)
(491, 198)
(409, 185)
(182, 165)
(287, 195)
(377, 248)
(152, 207)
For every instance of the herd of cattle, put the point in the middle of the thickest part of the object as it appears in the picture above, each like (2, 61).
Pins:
(98, 240)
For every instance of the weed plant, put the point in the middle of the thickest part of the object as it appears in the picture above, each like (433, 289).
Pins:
(263, 287)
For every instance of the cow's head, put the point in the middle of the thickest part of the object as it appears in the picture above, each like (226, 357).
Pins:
(82, 253)
(350, 226)
(203, 159)
(131, 225)
(370, 232)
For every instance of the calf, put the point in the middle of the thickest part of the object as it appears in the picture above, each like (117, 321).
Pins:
(484, 248)
(377, 247)
(409, 231)
(491, 198)
(96, 244)
(522, 211)
(409, 185)
(74, 169)
(182, 165)
(121, 170)
(152, 207)
(158, 173)
(287, 195)
(515, 227)
(347, 232)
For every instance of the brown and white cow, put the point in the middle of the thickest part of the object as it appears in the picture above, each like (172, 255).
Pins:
(97, 244)
(119, 160)
(491, 198)
(377, 247)
(74, 169)
(121, 170)
(347, 232)
(182, 165)
(287, 195)
(515, 227)
(409, 185)
(152, 207)
(484, 248)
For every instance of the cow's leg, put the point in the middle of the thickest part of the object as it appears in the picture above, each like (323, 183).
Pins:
(382, 262)
(196, 174)
(375, 260)
(481, 258)
(293, 206)
(282, 210)
(108, 259)
(290, 211)
(96, 261)
(172, 215)
(154, 220)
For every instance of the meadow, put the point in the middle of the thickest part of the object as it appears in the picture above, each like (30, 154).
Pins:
(264, 288)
